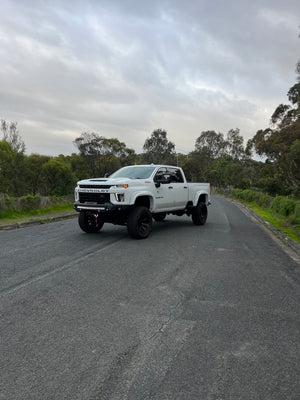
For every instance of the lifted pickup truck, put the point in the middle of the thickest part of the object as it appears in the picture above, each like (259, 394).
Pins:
(135, 194)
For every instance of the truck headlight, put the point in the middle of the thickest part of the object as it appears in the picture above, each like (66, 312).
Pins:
(121, 186)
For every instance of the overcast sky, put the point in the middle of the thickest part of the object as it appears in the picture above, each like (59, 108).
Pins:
(124, 68)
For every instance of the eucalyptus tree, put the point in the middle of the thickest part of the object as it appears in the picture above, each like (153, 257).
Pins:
(158, 149)
(103, 155)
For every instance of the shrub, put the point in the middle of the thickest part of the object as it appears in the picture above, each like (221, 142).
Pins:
(276, 204)
(249, 195)
(50, 201)
(295, 218)
(287, 206)
(237, 193)
(269, 185)
(9, 203)
(30, 202)
(2, 201)
(297, 210)
(264, 200)
(296, 191)
(244, 183)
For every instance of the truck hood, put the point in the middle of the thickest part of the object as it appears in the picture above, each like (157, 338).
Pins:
(106, 181)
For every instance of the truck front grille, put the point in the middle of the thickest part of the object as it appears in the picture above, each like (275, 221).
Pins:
(98, 198)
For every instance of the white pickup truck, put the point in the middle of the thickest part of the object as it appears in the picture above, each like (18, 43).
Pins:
(135, 194)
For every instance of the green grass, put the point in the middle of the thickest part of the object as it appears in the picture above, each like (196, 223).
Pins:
(281, 223)
(16, 216)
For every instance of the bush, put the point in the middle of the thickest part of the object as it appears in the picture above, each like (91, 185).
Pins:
(269, 185)
(29, 202)
(9, 203)
(2, 201)
(296, 191)
(287, 206)
(249, 195)
(264, 200)
(295, 218)
(244, 184)
(50, 201)
(246, 195)
(237, 193)
(276, 204)
(297, 210)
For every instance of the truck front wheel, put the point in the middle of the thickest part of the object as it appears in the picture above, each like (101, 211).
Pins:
(199, 214)
(139, 222)
(89, 223)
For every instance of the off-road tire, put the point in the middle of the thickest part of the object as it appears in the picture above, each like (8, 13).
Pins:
(199, 214)
(159, 217)
(139, 222)
(88, 224)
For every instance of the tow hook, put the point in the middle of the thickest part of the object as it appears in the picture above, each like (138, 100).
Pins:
(96, 220)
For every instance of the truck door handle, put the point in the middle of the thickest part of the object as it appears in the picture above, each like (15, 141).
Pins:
(170, 187)
(185, 187)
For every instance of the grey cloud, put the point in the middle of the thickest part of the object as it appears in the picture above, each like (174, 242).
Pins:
(125, 68)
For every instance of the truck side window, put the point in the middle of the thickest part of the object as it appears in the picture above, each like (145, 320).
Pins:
(159, 174)
(176, 175)
(179, 176)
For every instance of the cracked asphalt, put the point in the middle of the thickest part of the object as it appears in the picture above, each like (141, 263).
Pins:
(207, 312)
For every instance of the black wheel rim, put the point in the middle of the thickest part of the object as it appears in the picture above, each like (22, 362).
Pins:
(144, 224)
(203, 214)
(91, 222)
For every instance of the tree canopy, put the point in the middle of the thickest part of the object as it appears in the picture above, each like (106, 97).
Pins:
(158, 149)
(280, 144)
(103, 155)
(11, 135)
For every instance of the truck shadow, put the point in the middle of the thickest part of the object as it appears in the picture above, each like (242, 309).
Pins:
(171, 223)
(111, 232)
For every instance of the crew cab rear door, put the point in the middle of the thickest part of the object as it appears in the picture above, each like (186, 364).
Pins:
(174, 194)
(178, 188)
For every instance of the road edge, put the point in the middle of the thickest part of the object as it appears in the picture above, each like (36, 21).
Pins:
(288, 242)
(39, 221)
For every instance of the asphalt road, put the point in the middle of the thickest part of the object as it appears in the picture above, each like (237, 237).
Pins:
(207, 312)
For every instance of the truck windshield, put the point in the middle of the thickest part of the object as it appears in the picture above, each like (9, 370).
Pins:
(133, 172)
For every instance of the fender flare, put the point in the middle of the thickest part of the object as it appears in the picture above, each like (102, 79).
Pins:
(143, 194)
(199, 194)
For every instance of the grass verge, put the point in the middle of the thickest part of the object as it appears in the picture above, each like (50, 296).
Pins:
(7, 216)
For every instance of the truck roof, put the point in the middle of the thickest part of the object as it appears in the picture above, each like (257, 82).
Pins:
(154, 165)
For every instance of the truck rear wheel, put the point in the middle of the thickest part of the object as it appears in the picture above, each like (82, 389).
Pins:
(199, 214)
(139, 222)
(159, 216)
(89, 223)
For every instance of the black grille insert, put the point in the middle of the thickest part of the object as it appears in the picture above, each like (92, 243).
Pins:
(98, 198)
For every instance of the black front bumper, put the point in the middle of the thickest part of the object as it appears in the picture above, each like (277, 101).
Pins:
(100, 208)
